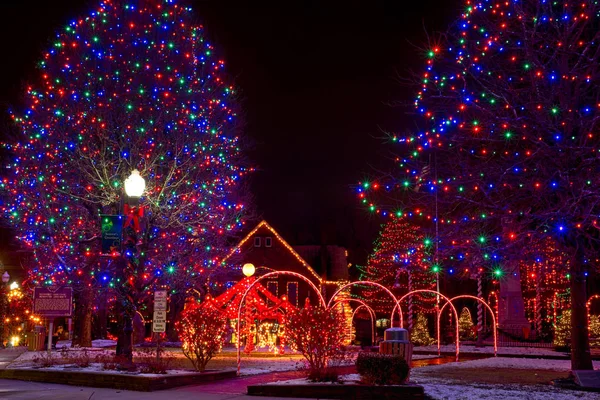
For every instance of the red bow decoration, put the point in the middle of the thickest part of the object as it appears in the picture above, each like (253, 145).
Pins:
(133, 215)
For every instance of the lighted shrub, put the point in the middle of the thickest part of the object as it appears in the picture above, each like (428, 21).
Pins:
(382, 369)
(318, 334)
(202, 331)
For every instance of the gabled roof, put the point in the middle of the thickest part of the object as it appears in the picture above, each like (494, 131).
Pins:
(280, 239)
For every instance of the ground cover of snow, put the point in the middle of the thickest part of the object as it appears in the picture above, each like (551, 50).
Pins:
(505, 362)
(437, 386)
(535, 351)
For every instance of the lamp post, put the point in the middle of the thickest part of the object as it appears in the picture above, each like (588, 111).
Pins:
(134, 189)
(5, 279)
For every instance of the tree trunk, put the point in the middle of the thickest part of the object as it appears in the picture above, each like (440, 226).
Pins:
(177, 304)
(581, 358)
(83, 319)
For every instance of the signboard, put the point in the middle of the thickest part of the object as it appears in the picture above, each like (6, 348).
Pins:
(159, 320)
(112, 227)
(53, 301)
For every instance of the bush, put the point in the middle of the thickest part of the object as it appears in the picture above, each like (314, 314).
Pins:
(202, 331)
(318, 334)
(382, 369)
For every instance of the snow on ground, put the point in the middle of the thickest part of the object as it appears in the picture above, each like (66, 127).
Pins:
(463, 391)
(447, 389)
(504, 362)
(99, 343)
(534, 351)
(345, 379)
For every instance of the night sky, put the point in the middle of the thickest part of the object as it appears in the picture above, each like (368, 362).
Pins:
(316, 78)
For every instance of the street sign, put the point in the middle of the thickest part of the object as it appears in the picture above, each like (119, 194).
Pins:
(159, 320)
(53, 301)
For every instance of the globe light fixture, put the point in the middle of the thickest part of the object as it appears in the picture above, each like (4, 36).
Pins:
(135, 184)
(248, 269)
(5, 277)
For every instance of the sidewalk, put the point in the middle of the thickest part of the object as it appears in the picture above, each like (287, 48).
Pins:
(9, 355)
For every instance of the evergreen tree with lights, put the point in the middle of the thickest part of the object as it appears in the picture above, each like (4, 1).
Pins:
(129, 86)
(420, 336)
(509, 100)
(465, 325)
(401, 249)
(562, 331)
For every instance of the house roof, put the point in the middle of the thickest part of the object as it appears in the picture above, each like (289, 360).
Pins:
(285, 244)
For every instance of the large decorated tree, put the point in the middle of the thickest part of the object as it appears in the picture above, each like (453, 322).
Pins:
(401, 261)
(132, 85)
(510, 100)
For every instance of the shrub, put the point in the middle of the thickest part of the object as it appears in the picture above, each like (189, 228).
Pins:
(80, 358)
(44, 359)
(152, 365)
(202, 331)
(382, 369)
(318, 334)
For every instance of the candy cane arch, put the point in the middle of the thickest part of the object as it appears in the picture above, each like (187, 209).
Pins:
(276, 273)
(372, 284)
(439, 314)
(369, 309)
(466, 296)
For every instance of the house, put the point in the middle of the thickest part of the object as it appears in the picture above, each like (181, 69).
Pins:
(326, 266)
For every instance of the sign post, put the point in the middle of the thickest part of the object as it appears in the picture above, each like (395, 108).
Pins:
(159, 319)
(52, 302)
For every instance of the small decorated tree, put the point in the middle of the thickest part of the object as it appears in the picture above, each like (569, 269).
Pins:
(318, 334)
(202, 331)
(465, 325)
(562, 331)
(420, 333)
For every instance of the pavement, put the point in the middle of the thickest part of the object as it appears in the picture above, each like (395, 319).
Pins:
(11, 389)
(220, 390)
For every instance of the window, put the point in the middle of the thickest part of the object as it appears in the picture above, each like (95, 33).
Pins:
(268, 241)
(257, 242)
(292, 292)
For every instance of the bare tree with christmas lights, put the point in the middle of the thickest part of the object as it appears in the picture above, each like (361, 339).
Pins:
(127, 88)
(510, 97)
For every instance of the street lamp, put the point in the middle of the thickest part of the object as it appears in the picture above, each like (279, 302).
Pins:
(135, 184)
(5, 277)
(134, 188)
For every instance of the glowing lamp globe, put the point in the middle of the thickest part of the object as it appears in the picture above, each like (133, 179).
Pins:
(248, 269)
(135, 184)
(5, 277)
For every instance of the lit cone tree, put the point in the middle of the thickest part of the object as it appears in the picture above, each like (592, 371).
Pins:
(401, 249)
(509, 98)
(465, 325)
(132, 85)
(420, 334)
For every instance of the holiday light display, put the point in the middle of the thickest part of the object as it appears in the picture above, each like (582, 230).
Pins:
(465, 325)
(401, 261)
(127, 87)
(542, 265)
(419, 336)
(264, 314)
(509, 100)
(317, 333)
(202, 331)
